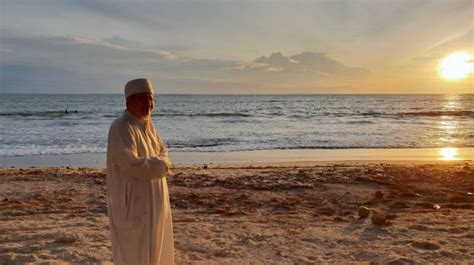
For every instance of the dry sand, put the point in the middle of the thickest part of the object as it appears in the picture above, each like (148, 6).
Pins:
(305, 213)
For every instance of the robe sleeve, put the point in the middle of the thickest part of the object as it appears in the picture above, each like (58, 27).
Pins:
(164, 152)
(124, 153)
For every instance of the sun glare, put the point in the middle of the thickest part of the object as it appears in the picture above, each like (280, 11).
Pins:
(457, 65)
(448, 153)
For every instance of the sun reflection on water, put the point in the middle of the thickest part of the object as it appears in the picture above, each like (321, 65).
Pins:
(451, 103)
(449, 128)
(448, 153)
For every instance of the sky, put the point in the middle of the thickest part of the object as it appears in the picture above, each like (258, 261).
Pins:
(234, 47)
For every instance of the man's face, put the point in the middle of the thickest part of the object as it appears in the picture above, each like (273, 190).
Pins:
(141, 105)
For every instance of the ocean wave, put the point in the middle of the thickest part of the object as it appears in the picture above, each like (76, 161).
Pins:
(63, 113)
(49, 113)
(111, 115)
(461, 113)
(211, 147)
(232, 121)
(201, 143)
(212, 114)
(359, 122)
(301, 147)
(48, 150)
(223, 114)
(370, 113)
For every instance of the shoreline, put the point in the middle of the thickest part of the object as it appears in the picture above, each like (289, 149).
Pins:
(291, 156)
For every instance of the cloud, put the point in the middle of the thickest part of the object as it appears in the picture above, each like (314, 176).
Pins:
(463, 41)
(321, 62)
(277, 58)
(305, 62)
(24, 78)
(72, 64)
(75, 50)
(110, 53)
(37, 63)
(136, 12)
(119, 41)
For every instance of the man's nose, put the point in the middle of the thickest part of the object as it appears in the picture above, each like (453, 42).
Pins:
(149, 103)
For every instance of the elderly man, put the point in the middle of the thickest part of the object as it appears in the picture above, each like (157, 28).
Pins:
(137, 191)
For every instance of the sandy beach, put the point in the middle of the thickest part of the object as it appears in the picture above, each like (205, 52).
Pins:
(240, 214)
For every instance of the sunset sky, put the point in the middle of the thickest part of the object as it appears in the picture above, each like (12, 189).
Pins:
(228, 47)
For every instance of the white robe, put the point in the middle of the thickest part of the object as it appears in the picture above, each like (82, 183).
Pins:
(137, 194)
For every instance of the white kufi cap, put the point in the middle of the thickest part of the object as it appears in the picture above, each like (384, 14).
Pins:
(140, 85)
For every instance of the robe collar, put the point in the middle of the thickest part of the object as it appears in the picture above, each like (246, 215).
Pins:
(129, 116)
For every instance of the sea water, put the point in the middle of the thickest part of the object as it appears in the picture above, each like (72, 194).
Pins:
(69, 124)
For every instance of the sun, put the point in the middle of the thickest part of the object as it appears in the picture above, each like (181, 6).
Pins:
(456, 66)
(448, 153)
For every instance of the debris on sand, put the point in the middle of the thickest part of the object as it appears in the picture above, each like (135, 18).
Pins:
(363, 212)
(378, 195)
(67, 238)
(378, 218)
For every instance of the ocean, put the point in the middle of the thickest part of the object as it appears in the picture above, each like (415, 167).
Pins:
(32, 124)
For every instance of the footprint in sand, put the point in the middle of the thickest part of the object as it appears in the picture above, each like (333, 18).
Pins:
(418, 227)
(469, 235)
(424, 246)
(402, 261)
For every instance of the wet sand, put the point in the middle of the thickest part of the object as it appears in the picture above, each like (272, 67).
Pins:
(280, 213)
(257, 156)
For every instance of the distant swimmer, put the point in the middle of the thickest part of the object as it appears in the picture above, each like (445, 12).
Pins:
(67, 111)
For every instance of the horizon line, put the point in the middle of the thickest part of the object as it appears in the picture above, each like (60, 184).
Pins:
(243, 94)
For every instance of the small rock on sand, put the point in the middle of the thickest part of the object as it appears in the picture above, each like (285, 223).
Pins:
(378, 195)
(98, 181)
(378, 218)
(363, 211)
